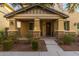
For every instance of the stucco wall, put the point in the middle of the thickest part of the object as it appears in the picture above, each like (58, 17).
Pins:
(3, 21)
(73, 18)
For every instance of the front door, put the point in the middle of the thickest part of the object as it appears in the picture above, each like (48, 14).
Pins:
(48, 29)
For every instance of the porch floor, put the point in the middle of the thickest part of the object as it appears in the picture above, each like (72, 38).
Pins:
(52, 47)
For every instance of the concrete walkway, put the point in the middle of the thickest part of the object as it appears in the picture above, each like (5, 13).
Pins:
(53, 50)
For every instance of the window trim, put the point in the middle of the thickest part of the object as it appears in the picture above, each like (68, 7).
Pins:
(67, 25)
(32, 24)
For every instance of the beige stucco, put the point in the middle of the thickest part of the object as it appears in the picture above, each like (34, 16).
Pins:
(12, 25)
(3, 21)
(74, 19)
(60, 25)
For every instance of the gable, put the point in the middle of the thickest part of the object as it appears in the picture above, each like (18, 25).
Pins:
(36, 9)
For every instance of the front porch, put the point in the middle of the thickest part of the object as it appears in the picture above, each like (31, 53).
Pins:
(39, 27)
(42, 21)
(45, 27)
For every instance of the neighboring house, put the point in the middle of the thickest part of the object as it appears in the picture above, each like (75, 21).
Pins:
(43, 21)
(3, 22)
(5, 9)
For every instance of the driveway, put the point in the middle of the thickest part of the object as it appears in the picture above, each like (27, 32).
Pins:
(53, 50)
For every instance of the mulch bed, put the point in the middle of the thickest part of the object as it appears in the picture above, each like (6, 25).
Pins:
(22, 45)
(73, 47)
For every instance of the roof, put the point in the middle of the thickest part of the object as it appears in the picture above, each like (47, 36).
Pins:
(29, 7)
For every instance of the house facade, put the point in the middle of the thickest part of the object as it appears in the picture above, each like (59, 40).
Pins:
(42, 22)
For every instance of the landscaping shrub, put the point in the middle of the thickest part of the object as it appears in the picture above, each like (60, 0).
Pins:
(8, 43)
(2, 37)
(68, 39)
(34, 44)
(12, 37)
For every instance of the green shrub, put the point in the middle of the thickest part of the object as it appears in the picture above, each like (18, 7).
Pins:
(68, 39)
(35, 45)
(2, 37)
(7, 45)
(12, 37)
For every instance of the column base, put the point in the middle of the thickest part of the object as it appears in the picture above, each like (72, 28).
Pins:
(60, 34)
(36, 34)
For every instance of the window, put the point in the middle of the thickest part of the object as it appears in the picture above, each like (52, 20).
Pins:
(31, 26)
(66, 25)
(77, 25)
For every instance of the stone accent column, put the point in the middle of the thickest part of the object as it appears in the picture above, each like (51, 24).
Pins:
(60, 31)
(12, 27)
(36, 32)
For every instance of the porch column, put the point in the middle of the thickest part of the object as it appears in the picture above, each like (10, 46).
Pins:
(60, 31)
(36, 32)
(12, 27)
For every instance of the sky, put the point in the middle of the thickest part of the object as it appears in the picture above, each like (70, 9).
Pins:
(18, 6)
(64, 7)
